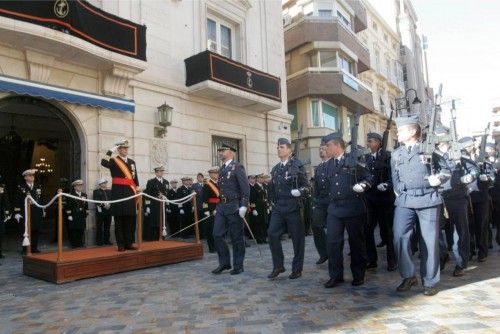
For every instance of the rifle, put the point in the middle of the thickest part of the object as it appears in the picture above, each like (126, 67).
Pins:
(297, 143)
(353, 159)
(455, 152)
(380, 163)
(431, 140)
(482, 158)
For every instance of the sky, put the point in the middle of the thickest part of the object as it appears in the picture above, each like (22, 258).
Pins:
(463, 55)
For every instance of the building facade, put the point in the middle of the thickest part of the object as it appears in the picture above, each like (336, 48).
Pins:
(495, 126)
(68, 94)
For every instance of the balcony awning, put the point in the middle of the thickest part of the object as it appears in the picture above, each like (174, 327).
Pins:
(25, 87)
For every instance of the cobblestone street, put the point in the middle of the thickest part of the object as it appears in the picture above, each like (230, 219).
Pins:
(186, 298)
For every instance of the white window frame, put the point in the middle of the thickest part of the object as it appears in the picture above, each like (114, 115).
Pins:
(218, 22)
(320, 113)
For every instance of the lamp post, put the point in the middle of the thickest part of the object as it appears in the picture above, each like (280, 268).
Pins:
(164, 119)
(403, 103)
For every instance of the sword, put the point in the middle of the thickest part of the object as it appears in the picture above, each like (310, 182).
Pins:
(251, 233)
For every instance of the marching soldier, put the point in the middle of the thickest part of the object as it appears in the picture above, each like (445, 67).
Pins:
(102, 213)
(234, 193)
(125, 183)
(346, 211)
(156, 187)
(260, 210)
(379, 201)
(288, 185)
(210, 198)
(185, 210)
(76, 213)
(5, 214)
(28, 187)
(172, 209)
(321, 201)
(417, 199)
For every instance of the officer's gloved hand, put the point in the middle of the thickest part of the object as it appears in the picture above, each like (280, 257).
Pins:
(434, 180)
(255, 213)
(207, 213)
(107, 205)
(295, 192)
(70, 218)
(382, 186)
(7, 219)
(359, 187)
(114, 148)
(148, 211)
(181, 211)
(242, 211)
(483, 177)
(467, 178)
(18, 217)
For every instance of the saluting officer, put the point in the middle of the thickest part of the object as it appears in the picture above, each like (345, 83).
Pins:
(156, 187)
(5, 214)
(102, 213)
(417, 199)
(28, 187)
(321, 201)
(77, 212)
(125, 183)
(379, 201)
(210, 197)
(346, 211)
(288, 186)
(234, 193)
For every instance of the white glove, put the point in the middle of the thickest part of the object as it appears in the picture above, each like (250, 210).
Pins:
(148, 210)
(466, 179)
(107, 205)
(434, 180)
(207, 213)
(255, 213)
(70, 218)
(18, 217)
(181, 211)
(295, 192)
(242, 211)
(359, 187)
(6, 219)
(483, 177)
(382, 186)
(192, 209)
(114, 148)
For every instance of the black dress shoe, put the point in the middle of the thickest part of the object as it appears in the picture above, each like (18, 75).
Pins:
(358, 282)
(333, 282)
(371, 265)
(407, 284)
(322, 260)
(108, 243)
(131, 248)
(458, 271)
(121, 249)
(443, 260)
(392, 267)
(236, 271)
(481, 258)
(295, 274)
(381, 244)
(221, 268)
(430, 291)
(276, 272)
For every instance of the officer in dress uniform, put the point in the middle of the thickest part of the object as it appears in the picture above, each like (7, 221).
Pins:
(76, 213)
(28, 187)
(198, 187)
(347, 181)
(234, 194)
(379, 201)
(172, 209)
(157, 187)
(320, 207)
(417, 199)
(5, 213)
(186, 209)
(259, 212)
(125, 183)
(102, 213)
(210, 197)
(288, 186)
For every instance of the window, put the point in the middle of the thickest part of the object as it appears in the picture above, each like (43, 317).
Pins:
(324, 114)
(344, 19)
(315, 113)
(324, 12)
(377, 60)
(387, 67)
(220, 37)
(351, 119)
(323, 59)
(346, 65)
(292, 110)
(217, 143)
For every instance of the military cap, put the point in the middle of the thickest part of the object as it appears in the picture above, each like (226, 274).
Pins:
(406, 120)
(332, 136)
(373, 135)
(29, 172)
(251, 176)
(185, 178)
(123, 143)
(214, 169)
(466, 141)
(283, 141)
(225, 146)
(441, 131)
(174, 181)
(260, 175)
(77, 183)
(159, 168)
(102, 180)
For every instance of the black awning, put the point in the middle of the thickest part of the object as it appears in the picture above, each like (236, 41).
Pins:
(81, 19)
(211, 66)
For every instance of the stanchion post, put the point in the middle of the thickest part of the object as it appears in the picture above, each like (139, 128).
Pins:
(59, 227)
(139, 223)
(162, 212)
(196, 227)
(28, 222)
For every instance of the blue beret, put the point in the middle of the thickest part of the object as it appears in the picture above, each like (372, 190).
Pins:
(373, 135)
(225, 146)
(466, 141)
(283, 141)
(407, 120)
(442, 132)
(331, 136)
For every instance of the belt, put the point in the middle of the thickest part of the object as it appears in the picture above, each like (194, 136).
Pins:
(123, 181)
(213, 200)
(228, 200)
(419, 191)
(344, 200)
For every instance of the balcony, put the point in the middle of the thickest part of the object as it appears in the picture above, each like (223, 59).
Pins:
(336, 86)
(360, 18)
(218, 78)
(310, 29)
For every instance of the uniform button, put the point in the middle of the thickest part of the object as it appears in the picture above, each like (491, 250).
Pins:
(338, 193)
(336, 183)
(335, 174)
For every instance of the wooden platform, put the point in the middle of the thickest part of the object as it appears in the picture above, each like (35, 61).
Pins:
(100, 261)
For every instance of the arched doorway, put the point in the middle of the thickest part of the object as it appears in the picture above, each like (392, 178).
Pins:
(35, 133)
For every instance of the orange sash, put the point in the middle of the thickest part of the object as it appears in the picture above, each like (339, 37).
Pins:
(124, 168)
(214, 188)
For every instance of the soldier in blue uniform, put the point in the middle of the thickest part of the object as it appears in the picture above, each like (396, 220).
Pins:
(234, 194)
(156, 187)
(347, 181)
(379, 201)
(321, 201)
(288, 186)
(102, 213)
(76, 213)
(417, 199)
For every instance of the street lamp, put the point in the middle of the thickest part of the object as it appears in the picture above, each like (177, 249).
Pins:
(404, 103)
(164, 119)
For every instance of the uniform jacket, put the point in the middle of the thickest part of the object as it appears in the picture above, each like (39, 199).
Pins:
(209, 198)
(36, 213)
(379, 168)
(155, 188)
(234, 187)
(283, 180)
(184, 191)
(453, 188)
(479, 190)
(79, 210)
(101, 195)
(321, 191)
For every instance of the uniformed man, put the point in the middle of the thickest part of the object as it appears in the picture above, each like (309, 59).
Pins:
(5, 213)
(379, 201)
(125, 183)
(259, 212)
(198, 187)
(321, 201)
(173, 209)
(156, 187)
(102, 213)
(234, 194)
(346, 211)
(28, 187)
(185, 210)
(76, 213)
(417, 199)
(210, 198)
(288, 187)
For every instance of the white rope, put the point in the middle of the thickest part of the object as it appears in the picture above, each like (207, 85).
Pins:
(185, 228)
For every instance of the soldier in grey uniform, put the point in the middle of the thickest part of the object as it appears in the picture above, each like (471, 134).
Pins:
(417, 199)
(320, 204)
(288, 184)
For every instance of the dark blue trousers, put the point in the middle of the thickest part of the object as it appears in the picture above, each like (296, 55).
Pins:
(318, 228)
(227, 219)
(459, 218)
